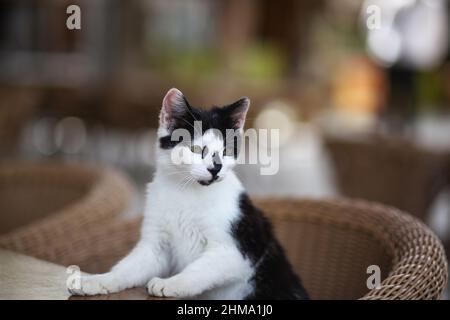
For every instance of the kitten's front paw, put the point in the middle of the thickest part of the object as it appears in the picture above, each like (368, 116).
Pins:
(170, 287)
(93, 285)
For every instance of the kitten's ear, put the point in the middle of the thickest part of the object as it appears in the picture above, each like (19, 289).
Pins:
(174, 105)
(237, 112)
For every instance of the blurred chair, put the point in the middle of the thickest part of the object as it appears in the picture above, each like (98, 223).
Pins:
(43, 205)
(16, 108)
(330, 244)
(388, 170)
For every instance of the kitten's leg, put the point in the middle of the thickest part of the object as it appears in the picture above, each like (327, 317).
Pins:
(215, 267)
(141, 264)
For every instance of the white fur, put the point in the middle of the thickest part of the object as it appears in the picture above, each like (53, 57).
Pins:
(186, 249)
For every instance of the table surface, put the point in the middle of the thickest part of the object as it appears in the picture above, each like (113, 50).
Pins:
(23, 277)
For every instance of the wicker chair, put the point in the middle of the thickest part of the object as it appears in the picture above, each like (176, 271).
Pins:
(43, 205)
(388, 170)
(330, 243)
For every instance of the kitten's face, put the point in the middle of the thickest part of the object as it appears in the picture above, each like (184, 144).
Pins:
(196, 145)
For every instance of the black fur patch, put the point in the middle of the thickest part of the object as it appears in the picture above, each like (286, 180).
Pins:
(274, 277)
(219, 118)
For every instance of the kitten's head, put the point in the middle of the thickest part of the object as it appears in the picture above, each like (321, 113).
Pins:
(197, 145)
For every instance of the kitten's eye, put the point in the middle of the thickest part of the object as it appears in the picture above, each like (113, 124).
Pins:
(196, 149)
(204, 151)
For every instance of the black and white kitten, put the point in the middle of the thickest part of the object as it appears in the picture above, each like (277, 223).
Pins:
(201, 236)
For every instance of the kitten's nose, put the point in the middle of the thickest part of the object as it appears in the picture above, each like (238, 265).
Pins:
(215, 170)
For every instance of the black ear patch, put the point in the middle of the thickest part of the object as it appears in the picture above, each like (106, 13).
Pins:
(237, 112)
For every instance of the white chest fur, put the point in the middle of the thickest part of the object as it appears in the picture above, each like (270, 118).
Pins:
(188, 221)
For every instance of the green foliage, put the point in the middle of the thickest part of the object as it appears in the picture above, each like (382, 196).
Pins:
(259, 61)
(429, 89)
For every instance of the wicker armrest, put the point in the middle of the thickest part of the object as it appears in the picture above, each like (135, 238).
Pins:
(339, 239)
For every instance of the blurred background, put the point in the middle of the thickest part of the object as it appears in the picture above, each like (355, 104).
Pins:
(359, 89)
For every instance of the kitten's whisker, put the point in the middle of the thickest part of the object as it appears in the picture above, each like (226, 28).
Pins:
(192, 181)
(179, 185)
(190, 112)
(177, 172)
(186, 183)
(193, 127)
